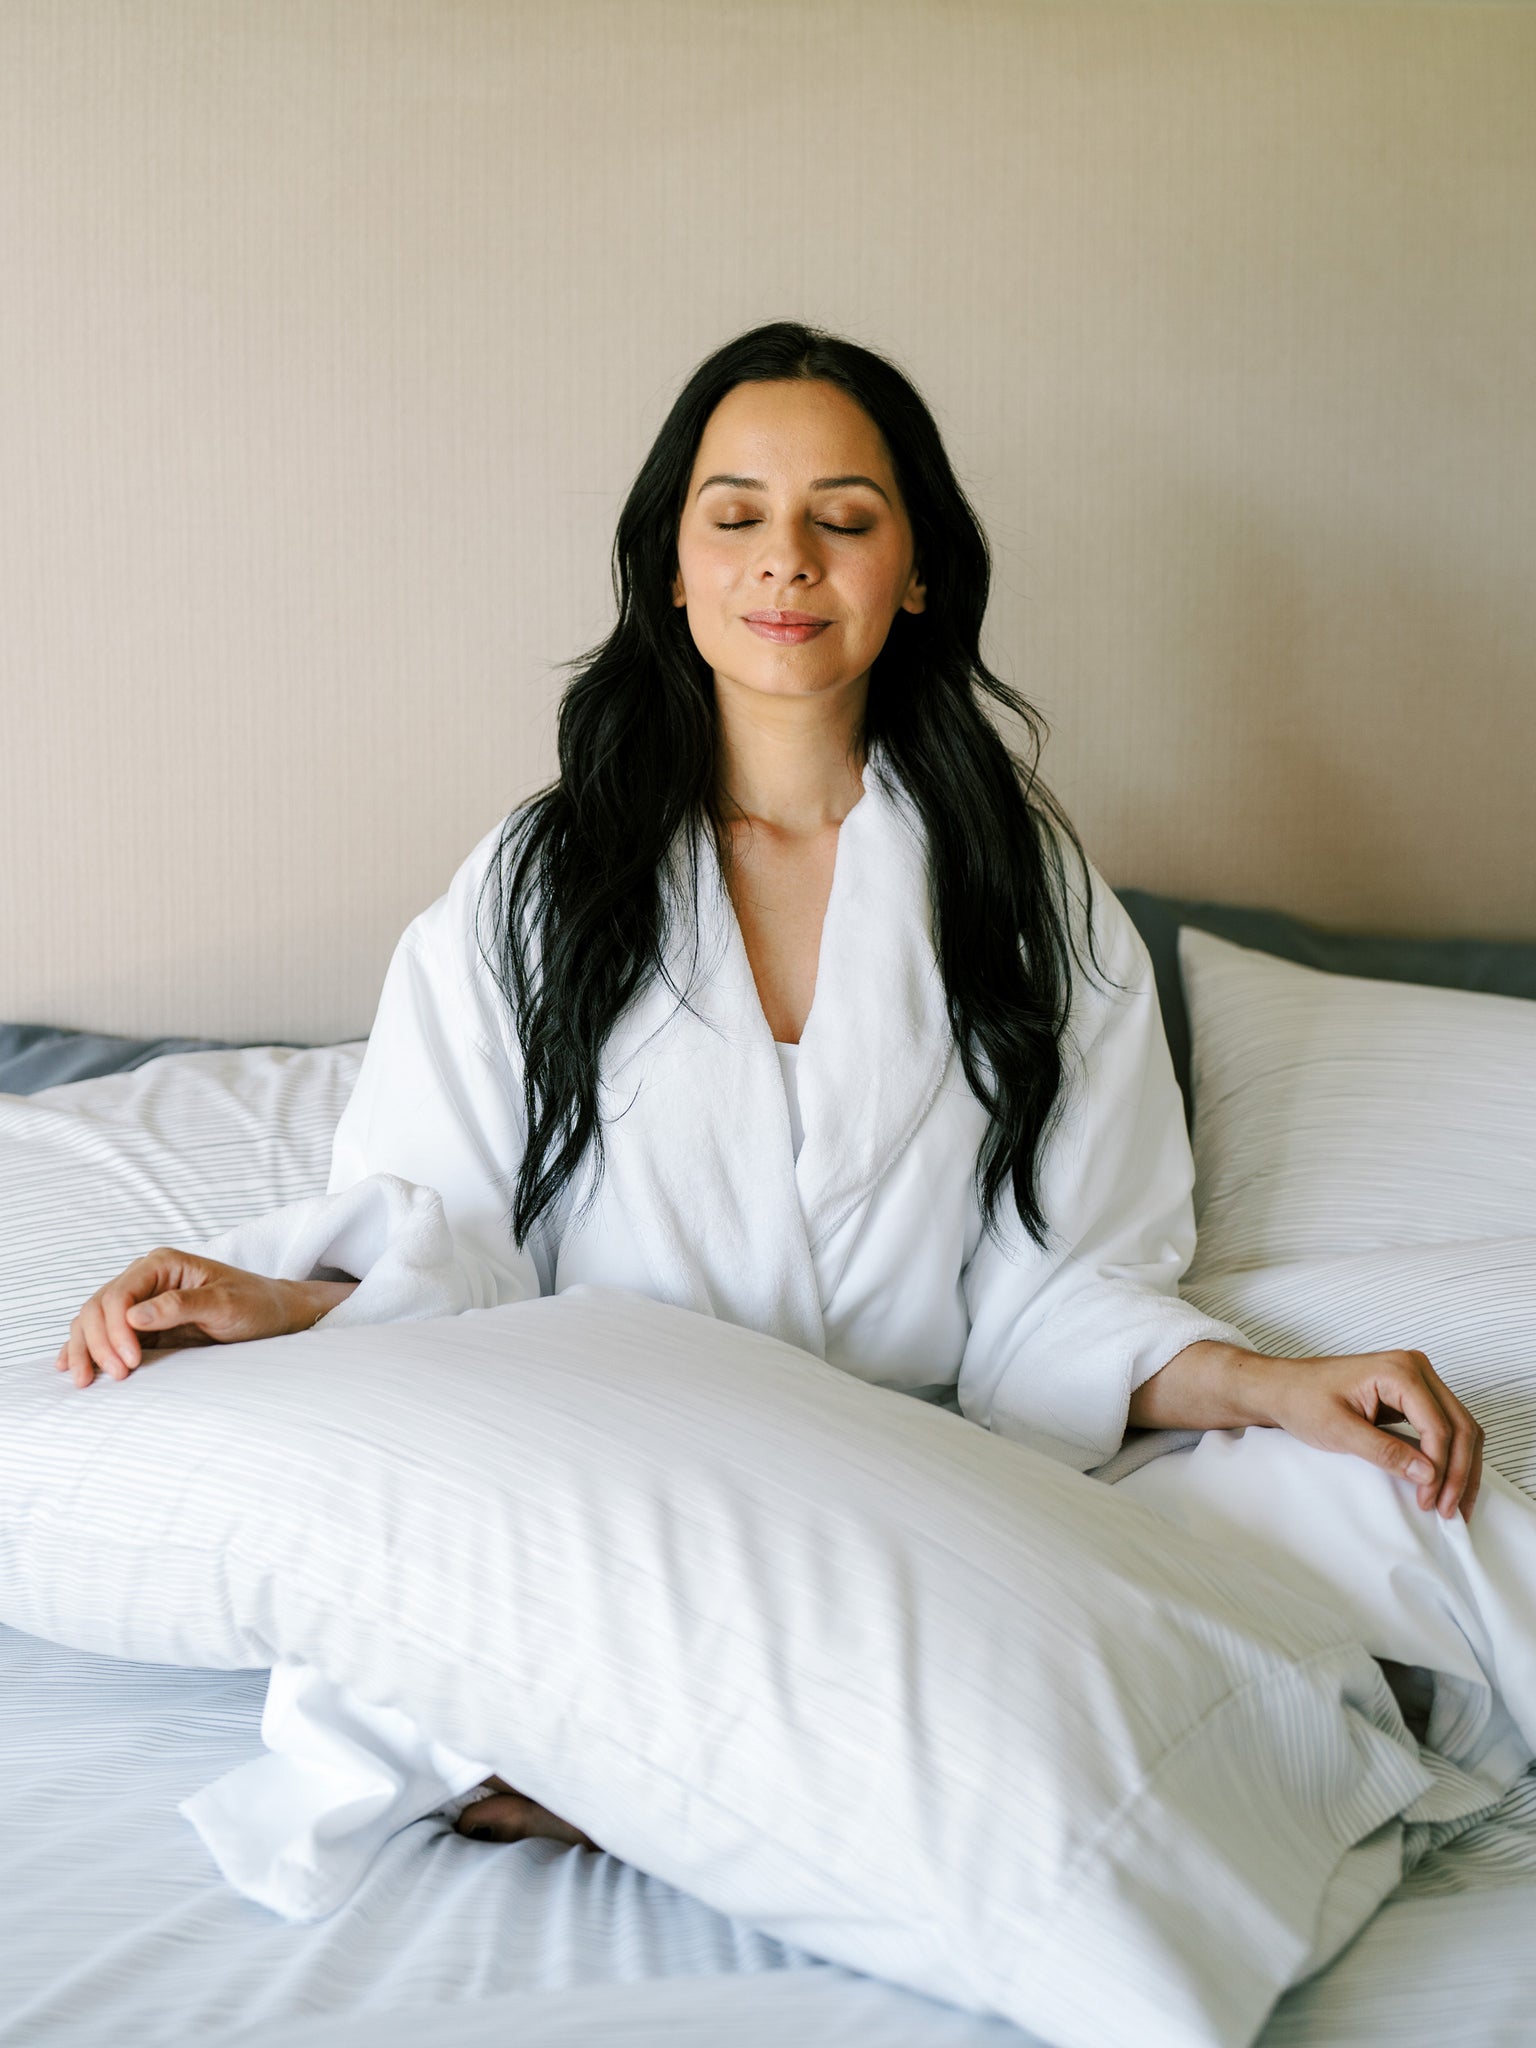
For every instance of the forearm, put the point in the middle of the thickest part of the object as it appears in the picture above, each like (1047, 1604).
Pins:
(1208, 1385)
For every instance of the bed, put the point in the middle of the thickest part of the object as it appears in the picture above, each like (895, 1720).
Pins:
(119, 1931)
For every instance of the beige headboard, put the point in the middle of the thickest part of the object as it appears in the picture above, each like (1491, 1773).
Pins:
(332, 331)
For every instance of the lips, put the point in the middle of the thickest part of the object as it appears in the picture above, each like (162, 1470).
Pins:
(789, 629)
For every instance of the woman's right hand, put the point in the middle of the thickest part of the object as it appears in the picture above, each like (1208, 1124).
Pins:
(168, 1300)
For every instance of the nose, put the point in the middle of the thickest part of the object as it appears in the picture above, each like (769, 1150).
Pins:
(786, 555)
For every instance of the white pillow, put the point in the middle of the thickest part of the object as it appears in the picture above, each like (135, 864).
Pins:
(94, 1173)
(836, 1661)
(1470, 1308)
(1334, 1115)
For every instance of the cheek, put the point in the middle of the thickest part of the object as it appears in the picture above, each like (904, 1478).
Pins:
(705, 567)
(876, 585)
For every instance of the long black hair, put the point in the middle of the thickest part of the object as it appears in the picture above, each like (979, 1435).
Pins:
(581, 910)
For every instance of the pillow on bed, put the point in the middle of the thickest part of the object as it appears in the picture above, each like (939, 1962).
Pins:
(95, 1172)
(1335, 1115)
(1503, 967)
(838, 1662)
(1365, 1159)
(1470, 1308)
(38, 1056)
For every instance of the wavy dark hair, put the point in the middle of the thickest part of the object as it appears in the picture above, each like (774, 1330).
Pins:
(581, 908)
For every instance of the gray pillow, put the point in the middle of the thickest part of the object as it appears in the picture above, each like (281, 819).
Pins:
(1494, 966)
(36, 1056)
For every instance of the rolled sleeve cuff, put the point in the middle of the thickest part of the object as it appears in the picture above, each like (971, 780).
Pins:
(1069, 1394)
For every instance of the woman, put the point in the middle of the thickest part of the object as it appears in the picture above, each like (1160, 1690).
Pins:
(781, 1004)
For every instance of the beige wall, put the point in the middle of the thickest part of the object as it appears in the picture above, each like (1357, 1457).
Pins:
(331, 332)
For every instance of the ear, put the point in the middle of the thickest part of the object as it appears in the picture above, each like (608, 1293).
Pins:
(679, 595)
(916, 599)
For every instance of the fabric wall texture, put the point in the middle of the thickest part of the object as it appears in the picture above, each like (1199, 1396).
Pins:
(334, 330)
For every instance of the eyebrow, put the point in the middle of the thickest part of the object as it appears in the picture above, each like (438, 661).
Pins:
(822, 483)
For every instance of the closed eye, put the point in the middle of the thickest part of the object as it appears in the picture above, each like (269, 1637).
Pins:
(735, 526)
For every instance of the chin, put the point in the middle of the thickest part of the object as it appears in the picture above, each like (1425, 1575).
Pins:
(785, 679)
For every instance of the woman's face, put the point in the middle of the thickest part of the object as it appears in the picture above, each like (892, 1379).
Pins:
(794, 549)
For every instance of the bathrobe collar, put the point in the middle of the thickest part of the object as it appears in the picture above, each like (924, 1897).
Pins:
(696, 1126)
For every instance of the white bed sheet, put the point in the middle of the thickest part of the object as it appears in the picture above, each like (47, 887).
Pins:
(117, 1933)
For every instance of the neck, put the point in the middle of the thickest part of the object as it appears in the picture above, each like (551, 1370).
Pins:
(792, 763)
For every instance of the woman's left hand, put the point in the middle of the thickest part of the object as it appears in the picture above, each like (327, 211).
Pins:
(1338, 1404)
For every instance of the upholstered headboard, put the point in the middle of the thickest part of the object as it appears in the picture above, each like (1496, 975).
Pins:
(334, 330)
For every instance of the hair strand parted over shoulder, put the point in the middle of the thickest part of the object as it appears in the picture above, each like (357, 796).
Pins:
(581, 909)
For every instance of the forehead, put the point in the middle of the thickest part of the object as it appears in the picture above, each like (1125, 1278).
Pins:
(790, 431)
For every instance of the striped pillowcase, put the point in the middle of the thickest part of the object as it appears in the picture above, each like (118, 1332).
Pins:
(1336, 1116)
(96, 1172)
(1365, 1174)
(1470, 1308)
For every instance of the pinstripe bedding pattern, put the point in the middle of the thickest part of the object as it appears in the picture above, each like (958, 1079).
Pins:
(1471, 1308)
(728, 1475)
(117, 1933)
(674, 1478)
(1338, 1116)
(117, 1930)
(97, 1172)
(1424, 1974)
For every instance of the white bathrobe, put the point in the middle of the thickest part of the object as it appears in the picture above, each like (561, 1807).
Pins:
(867, 1249)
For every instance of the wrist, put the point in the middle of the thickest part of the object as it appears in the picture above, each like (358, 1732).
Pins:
(1209, 1385)
(1252, 1382)
(309, 1300)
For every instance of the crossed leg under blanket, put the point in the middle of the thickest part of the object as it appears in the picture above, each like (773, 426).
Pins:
(1453, 1599)
(296, 1829)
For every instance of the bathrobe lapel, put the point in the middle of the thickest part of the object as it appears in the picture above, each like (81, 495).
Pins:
(697, 1141)
(877, 1041)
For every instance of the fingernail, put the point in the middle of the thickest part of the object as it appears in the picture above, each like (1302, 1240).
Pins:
(1419, 1471)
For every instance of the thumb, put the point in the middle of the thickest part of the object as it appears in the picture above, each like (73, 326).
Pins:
(1382, 1447)
(174, 1305)
(147, 1315)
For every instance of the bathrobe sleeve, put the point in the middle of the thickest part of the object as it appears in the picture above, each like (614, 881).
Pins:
(427, 1150)
(1060, 1339)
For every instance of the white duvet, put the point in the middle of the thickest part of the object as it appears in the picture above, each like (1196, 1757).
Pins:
(839, 1664)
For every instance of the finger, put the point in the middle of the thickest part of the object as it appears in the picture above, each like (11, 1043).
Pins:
(1465, 1456)
(93, 1325)
(1464, 1467)
(1396, 1454)
(1408, 1388)
(81, 1369)
(176, 1307)
(157, 1312)
(193, 1315)
(116, 1302)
